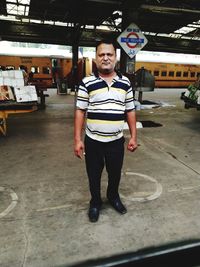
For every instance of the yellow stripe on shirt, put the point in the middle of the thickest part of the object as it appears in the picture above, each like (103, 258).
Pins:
(104, 121)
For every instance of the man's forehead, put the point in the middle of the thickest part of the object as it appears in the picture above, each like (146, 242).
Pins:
(105, 48)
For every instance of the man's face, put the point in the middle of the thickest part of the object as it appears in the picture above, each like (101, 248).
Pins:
(105, 58)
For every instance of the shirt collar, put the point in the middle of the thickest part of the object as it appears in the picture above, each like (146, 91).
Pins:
(96, 73)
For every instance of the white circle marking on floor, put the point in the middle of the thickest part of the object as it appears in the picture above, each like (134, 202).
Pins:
(14, 200)
(156, 194)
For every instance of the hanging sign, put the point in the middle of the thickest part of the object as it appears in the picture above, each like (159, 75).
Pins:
(132, 40)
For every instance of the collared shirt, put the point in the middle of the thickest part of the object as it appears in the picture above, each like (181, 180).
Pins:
(106, 106)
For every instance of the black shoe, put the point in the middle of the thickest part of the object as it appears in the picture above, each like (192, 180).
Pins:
(93, 214)
(118, 206)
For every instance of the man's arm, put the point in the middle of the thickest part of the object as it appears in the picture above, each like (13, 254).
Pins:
(78, 126)
(131, 120)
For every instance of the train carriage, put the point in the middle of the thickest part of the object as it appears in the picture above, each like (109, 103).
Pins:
(171, 75)
(47, 69)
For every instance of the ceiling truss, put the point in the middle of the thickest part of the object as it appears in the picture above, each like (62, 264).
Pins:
(169, 25)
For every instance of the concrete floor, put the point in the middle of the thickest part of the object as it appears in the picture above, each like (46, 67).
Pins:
(44, 190)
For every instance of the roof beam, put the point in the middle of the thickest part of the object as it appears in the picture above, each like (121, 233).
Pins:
(36, 33)
(169, 9)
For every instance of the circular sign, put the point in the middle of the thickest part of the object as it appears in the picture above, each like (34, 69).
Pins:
(132, 40)
(135, 35)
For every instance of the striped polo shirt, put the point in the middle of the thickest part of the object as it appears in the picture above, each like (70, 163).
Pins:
(106, 106)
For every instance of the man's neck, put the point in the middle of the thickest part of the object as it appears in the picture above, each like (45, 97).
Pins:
(108, 77)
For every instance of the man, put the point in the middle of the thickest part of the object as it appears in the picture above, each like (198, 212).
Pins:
(107, 98)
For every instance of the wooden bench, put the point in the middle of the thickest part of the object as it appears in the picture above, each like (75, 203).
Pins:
(12, 107)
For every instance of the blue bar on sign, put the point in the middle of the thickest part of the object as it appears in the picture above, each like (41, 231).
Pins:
(132, 40)
(135, 30)
(132, 30)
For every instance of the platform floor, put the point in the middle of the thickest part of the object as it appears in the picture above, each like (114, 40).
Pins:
(44, 189)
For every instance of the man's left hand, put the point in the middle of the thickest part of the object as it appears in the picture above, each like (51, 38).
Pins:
(132, 145)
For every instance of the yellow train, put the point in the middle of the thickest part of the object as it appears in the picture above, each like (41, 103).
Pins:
(171, 75)
(47, 69)
(43, 68)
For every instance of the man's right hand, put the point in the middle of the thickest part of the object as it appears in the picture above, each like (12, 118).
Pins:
(79, 149)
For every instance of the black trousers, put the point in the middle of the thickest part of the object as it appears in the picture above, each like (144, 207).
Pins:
(98, 155)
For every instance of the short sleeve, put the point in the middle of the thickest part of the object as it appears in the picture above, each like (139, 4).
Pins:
(82, 97)
(129, 102)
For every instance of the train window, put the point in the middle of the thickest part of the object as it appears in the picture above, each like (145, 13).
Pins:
(23, 67)
(192, 74)
(185, 74)
(178, 74)
(2, 67)
(156, 73)
(10, 67)
(35, 69)
(171, 73)
(46, 70)
(163, 73)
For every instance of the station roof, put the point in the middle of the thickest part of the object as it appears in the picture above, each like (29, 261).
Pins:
(169, 25)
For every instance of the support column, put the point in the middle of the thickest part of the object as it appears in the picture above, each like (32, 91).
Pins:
(75, 65)
(123, 57)
(127, 65)
(75, 45)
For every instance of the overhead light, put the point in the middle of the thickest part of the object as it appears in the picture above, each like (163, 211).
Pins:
(194, 25)
(9, 17)
(58, 23)
(175, 35)
(35, 21)
(185, 30)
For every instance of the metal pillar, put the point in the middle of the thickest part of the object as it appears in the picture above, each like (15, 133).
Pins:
(123, 58)
(75, 46)
(127, 65)
(75, 65)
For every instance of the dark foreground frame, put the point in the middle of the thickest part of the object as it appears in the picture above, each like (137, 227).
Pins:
(184, 254)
